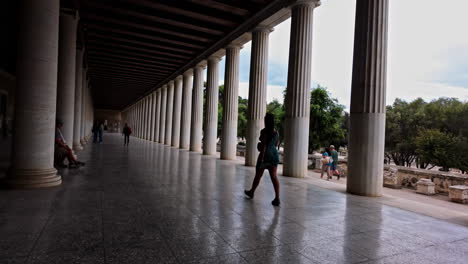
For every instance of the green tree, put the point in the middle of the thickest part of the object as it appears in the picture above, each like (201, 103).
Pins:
(277, 109)
(326, 119)
(403, 123)
(437, 148)
(242, 118)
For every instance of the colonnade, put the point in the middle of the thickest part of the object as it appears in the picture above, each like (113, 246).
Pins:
(367, 104)
(52, 85)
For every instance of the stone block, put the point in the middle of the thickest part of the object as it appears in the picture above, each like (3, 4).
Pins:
(458, 193)
(391, 178)
(425, 186)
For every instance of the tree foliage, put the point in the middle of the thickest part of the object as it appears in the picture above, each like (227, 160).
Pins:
(326, 120)
(428, 134)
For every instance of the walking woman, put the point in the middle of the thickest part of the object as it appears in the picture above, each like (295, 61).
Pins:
(268, 158)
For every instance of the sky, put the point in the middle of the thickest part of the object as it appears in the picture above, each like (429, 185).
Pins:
(427, 51)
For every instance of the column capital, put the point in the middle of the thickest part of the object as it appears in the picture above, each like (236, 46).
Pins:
(164, 86)
(179, 78)
(314, 3)
(170, 83)
(234, 46)
(201, 64)
(214, 58)
(262, 28)
(188, 72)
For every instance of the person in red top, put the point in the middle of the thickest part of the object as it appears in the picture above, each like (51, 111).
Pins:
(62, 150)
(127, 131)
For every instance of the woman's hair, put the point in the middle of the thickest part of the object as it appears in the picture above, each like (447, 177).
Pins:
(269, 122)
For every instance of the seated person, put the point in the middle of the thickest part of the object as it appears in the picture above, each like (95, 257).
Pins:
(62, 150)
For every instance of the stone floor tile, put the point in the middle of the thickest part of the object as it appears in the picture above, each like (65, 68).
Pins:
(234, 258)
(244, 239)
(155, 204)
(276, 255)
(199, 246)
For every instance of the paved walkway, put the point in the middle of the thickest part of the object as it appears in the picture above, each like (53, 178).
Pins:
(152, 204)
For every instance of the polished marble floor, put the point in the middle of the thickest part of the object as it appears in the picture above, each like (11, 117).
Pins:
(147, 203)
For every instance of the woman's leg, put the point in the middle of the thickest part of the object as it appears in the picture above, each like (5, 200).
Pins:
(256, 181)
(274, 180)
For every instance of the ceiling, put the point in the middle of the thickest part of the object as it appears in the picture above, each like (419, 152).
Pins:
(135, 46)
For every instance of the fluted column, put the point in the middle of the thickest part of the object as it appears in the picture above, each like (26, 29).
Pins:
(296, 139)
(186, 110)
(210, 133)
(368, 89)
(66, 73)
(36, 96)
(158, 115)
(196, 124)
(78, 94)
(146, 120)
(139, 120)
(162, 119)
(257, 92)
(83, 108)
(175, 142)
(230, 101)
(169, 108)
(153, 115)
(148, 117)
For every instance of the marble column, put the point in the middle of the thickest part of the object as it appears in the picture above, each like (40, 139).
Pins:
(66, 73)
(36, 96)
(162, 119)
(158, 115)
(186, 110)
(296, 140)
(150, 116)
(210, 133)
(139, 119)
(146, 118)
(78, 94)
(175, 142)
(84, 83)
(368, 90)
(153, 115)
(230, 103)
(169, 108)
(257, 92)
(196, 124)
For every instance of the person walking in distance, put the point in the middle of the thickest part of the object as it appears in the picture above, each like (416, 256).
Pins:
(127, 131)
(268, 158)
(334, 166)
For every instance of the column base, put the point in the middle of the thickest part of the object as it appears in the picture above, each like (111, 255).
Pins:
(77, 147)
(29, 179)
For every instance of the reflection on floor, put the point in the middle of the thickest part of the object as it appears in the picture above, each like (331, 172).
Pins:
(148, 203)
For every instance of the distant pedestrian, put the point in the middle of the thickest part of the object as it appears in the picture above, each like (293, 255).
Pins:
(100, 131)
(334, 166)
(127, 131)
(327, 162)
(268, 158)
(95, 131)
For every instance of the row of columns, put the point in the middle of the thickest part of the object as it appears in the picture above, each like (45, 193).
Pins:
(51, 84)
(178, 105)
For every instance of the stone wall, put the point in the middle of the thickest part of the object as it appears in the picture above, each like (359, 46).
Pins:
(408, 177)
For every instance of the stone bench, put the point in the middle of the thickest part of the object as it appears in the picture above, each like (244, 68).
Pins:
(458, 193)
(425, 186)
